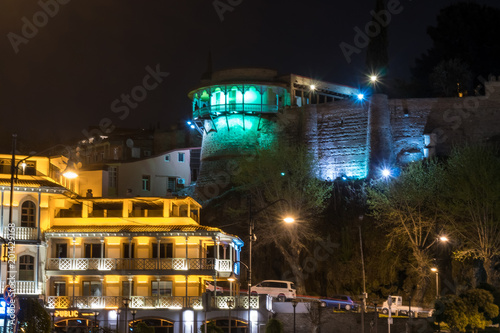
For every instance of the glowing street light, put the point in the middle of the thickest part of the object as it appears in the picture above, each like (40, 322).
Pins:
(361, 97)
(373, 78)
(443, 239)
(313, 87)
(251, 227)
(386, 172)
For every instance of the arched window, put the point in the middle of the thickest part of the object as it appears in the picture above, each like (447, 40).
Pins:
(159, 325)
(28, 214)
(26, 268)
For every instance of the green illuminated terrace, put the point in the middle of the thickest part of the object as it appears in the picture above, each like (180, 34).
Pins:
(252, 99)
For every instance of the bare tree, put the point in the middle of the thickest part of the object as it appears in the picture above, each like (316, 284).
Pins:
(406, 207)
(471, 200)
(285, 172)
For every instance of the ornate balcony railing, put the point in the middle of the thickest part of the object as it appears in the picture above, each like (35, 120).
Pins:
(147, 302)
(246, 108)
(23, 233)
(221, 302)
(25, 287)
(107, 264)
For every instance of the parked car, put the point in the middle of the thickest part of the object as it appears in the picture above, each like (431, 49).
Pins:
(340, 302)
(282, 290)
(398, 307)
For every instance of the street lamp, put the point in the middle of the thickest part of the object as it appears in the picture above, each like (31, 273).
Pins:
(435, 270)
(251, 235)
(133, 312)
(443, 239)
(52, 313)
(117, 318)
(230, 304)
(11, 275)
(96, 326)
(125, 303)
(294, 304)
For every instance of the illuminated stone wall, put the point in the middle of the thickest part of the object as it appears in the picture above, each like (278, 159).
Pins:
(338, 134)
(354, 139)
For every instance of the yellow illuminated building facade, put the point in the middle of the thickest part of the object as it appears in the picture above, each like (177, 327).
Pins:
(113, 262)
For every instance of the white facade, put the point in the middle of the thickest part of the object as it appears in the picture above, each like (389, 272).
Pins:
(157, 176)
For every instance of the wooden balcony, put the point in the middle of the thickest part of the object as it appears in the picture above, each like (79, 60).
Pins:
(148, 302)
(142, 264)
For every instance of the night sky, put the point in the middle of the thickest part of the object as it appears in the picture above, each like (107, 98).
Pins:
(66, 75)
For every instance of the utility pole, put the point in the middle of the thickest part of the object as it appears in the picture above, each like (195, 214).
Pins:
(363, 308)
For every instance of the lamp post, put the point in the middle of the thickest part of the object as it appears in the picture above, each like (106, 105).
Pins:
(435, 270)
(125, 303)
(294, 304)
(14, 168)
(117, 319)
(133, 312)
(230, 304)
(52, 314)
(96, 326)
(363, 306)
(251, 226)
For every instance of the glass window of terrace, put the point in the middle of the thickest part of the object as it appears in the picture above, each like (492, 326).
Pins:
(28, 214)
(26, 268)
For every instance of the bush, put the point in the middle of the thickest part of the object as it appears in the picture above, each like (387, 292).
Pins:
(274, 326)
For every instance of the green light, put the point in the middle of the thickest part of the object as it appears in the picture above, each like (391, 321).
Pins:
(283, 173)
(252, 96)
(204, 96)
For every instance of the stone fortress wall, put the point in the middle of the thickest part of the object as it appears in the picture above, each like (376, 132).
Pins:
(354, 139)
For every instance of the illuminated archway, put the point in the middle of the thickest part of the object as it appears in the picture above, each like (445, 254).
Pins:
(160, 325)
(74, 325)
(237, 326)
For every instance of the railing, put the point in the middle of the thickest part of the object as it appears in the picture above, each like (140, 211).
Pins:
(100, 213)
(24, 287)
(221, 302)
(148, 302)
(234, 108)
(24, 233)
(107, 264)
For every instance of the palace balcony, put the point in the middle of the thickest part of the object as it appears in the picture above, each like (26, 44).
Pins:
(25, 287)
(139, 264)
(22, 233)
(148, 302)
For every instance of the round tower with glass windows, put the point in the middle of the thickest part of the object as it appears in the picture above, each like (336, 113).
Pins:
(235, 111)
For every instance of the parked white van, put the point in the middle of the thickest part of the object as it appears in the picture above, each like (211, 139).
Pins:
(282, 290)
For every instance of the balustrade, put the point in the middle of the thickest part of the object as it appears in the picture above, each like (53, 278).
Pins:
(23, 233)
(147, 302)
(24, 287)
(107, 264)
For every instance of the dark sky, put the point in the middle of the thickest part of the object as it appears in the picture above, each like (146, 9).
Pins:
(66, 75)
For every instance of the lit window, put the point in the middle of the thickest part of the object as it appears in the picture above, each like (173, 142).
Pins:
(59, 288)
(162, 288)
(181, 157)
(146, 183)
(92, 288)
(113, 176)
